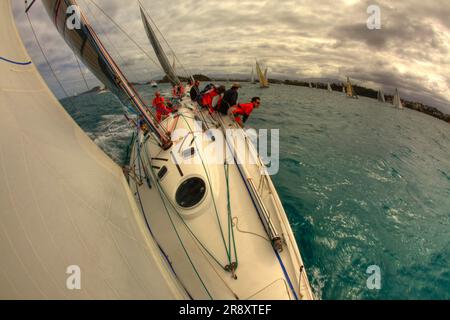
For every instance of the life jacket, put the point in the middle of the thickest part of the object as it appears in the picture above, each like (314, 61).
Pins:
(181, 90)
(207, 98)
(244, 110)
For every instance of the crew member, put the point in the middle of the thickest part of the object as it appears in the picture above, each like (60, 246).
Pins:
(159, 103)
(206, 100)
(244, 110)
(195, 91)
(230, 98)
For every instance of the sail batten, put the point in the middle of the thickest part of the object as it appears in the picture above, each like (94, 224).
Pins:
(160, 54)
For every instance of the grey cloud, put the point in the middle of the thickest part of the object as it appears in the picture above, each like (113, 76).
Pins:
(297, 39)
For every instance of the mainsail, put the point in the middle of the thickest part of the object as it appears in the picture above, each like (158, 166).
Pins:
(262, 78)
(380, 96)
(397, 101)
(85, 43)
(160, 54)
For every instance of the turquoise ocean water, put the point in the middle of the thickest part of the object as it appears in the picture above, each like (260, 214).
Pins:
(362, 183)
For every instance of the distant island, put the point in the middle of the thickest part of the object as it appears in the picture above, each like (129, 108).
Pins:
(370, 93)
(360, 91)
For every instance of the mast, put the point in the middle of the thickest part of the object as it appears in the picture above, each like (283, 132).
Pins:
(86, 44)
(160, 54)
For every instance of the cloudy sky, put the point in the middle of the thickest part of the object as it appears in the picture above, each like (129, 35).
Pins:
(297, 39)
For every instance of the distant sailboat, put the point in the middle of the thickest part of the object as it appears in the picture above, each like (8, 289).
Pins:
(329, 88)
(343, 89)
(397, 101)
(350, 92)
(264, 82)
(310, 85)
(381, 97)
(253, 77)
(153, 84)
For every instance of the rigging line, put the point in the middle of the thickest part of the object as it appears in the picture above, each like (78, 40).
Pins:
(211, 190)
(148, 223)
(161, 193)
(45, 57)
(81, 71)
(184, 222)
(104, 33)
(69, 98)
(16, 62)
(188, 74)
(230, 216)
(283, 267)
(127, 35)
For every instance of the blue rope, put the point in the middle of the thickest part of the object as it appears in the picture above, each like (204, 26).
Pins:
(286, 274)
(16, 62)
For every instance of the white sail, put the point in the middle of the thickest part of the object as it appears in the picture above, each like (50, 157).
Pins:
(329, 88)
(63, 202)
(380, 96)
(397, 101)
(253, 76)
(310, 85)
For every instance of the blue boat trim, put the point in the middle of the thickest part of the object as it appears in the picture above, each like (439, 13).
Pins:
(16, 62)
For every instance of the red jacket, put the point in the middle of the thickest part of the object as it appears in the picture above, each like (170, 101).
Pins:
(208, 98)
(244, 110)
(160, 105)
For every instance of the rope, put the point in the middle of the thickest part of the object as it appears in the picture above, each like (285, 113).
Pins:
(228, 252)
(81, 71)
(126, 34)
(236, 223)
(162, 193)
(148, 223)
(275, 251)
(188, 74)
(16, 62)
(230, 220)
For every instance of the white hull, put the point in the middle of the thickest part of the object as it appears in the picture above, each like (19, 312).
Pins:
(259, 272)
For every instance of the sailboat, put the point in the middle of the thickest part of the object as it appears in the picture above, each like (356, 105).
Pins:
(69, 218)
(329, 88)
(310, 85)
(380, 96)
(167, 229)
(263, 80)
(153, 84)
(397, 102)
(343, 89)
(349, 90)
(252, 80)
